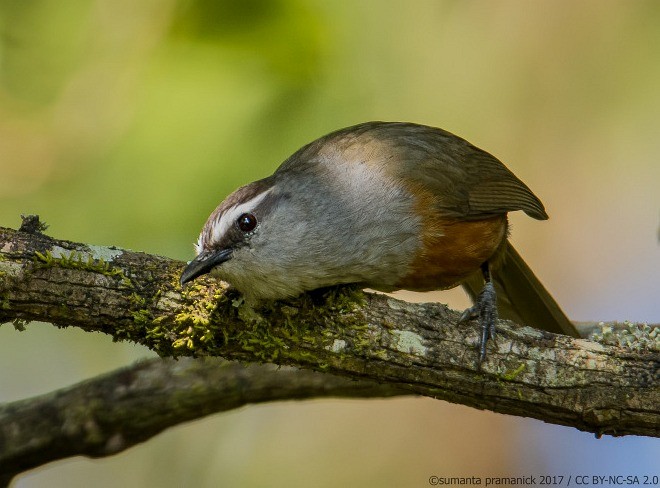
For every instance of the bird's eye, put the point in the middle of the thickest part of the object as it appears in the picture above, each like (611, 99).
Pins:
(246, 222)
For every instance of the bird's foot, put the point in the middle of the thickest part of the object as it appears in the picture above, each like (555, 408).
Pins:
(484, 309)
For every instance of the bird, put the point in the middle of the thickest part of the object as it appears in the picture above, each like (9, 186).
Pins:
(386, 206)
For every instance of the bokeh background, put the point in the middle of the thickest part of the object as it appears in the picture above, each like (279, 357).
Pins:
(124, 122)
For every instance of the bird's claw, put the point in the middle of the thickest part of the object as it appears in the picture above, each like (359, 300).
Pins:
(484, 309)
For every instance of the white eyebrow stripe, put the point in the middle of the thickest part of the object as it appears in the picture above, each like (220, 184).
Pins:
(222, 224)
(199, 245)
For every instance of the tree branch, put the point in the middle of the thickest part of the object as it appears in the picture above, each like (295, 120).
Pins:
(113, 412)
(136, 297)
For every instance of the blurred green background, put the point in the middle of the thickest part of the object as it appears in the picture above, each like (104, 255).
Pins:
(125, 122)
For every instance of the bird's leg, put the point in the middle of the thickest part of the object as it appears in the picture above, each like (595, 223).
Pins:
(484, 309)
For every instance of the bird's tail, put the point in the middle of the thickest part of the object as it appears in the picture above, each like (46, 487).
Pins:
(521, 297)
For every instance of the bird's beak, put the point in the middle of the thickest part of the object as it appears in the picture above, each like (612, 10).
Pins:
(204, 263)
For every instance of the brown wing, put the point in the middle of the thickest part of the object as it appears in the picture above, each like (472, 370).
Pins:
(470, 183)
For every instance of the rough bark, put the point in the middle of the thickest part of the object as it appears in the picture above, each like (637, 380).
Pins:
(110, 413)
(591, 386)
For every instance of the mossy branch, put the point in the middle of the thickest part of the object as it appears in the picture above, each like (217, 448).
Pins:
(591, 386)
